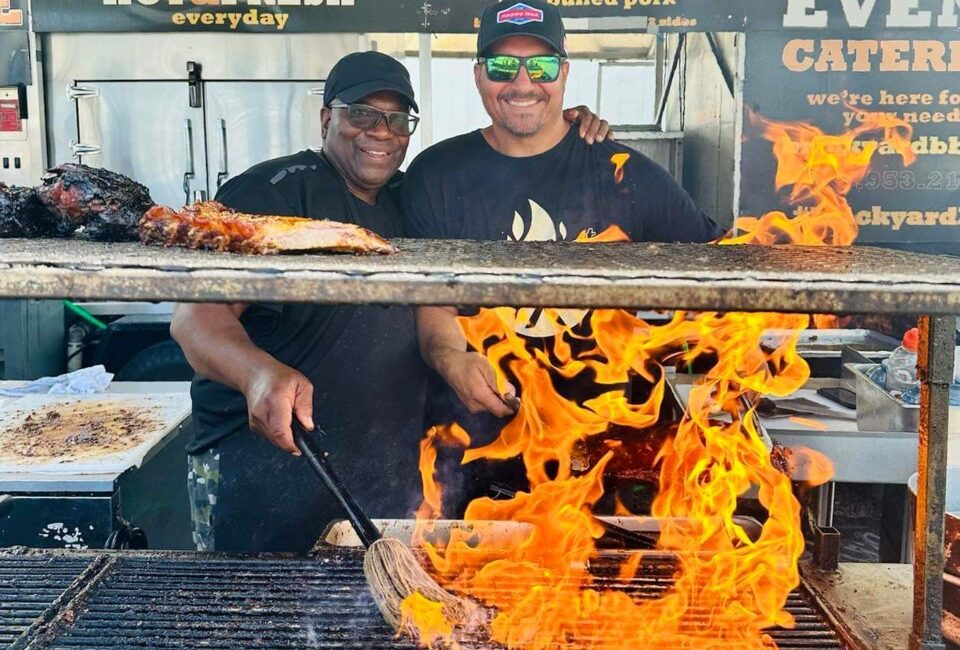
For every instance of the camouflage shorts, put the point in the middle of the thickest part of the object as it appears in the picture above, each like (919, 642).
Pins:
(203, 478)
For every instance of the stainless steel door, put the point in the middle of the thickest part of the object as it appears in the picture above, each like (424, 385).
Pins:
(248, 122)
(146, 130)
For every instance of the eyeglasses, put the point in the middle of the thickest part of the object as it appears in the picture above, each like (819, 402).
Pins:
(366, 118)
(543, 68)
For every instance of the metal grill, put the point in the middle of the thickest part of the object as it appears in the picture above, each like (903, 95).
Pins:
(29, 587)
(176, 600)
(170, 602)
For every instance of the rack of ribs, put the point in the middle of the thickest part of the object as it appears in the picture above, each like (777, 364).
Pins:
(209, 225)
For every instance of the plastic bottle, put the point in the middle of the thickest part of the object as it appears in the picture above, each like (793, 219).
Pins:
(901, 365)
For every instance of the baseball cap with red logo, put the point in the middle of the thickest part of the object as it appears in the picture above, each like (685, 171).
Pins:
(534, 18)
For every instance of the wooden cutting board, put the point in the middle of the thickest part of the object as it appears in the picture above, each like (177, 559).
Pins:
(85, 433)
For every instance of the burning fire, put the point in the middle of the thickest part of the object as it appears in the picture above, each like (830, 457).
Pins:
(728, 587)
(820, 169)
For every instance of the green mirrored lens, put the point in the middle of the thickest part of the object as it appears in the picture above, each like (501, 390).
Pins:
(543, 68)
(503, 68)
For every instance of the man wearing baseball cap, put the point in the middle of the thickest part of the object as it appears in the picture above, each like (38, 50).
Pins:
(354, 370)
(525, 177)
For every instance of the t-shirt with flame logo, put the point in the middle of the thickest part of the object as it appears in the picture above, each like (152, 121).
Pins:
(462, 188)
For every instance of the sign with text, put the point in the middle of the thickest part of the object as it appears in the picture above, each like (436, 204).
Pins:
(460, 16)
(838, 81)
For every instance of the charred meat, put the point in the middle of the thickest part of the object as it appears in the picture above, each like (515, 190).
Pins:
(21, 214)
(211, 226)
(635, 451)
(108, 206)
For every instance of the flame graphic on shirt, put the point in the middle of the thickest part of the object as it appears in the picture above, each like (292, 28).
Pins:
(542, 228)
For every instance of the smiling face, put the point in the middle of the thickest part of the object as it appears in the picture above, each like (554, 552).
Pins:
(522, 107)
(367, 160)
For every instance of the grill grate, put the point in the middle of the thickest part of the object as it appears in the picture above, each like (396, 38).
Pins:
(29, 585)
(164, 600)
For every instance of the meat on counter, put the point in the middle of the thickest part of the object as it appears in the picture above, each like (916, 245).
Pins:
(21, 213)
(99, 203)
(209, 225)
(107, 205)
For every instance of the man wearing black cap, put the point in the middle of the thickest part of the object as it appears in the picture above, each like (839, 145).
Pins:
(353, 370)
(525, 177)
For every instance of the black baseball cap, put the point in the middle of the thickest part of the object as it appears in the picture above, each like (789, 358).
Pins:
(360, 74)
(530, 18)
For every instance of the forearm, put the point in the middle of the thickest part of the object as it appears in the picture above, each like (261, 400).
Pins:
(469, 374)
(216, 344)
(438, 334)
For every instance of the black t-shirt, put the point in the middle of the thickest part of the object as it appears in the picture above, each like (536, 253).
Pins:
(361, 359)
(463, 188)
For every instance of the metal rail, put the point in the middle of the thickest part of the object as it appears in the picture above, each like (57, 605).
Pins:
(687, 276)
(937, 339)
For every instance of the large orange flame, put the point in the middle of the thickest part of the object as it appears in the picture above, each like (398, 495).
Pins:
(729, 587)
(820, 170)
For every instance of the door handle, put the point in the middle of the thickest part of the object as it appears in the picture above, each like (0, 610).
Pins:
(80, 92)
(195, 84)
(189, 173)
(222, 171)
(79, 149)
(316, 91)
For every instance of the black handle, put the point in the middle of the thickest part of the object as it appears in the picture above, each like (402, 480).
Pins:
(317, 458)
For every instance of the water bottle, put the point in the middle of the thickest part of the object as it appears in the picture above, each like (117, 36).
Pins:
(901, 365)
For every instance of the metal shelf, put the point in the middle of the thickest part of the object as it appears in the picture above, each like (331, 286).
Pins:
(660, 276)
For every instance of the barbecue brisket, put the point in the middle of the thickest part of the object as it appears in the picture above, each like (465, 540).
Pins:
(21, 214)
(108, 206)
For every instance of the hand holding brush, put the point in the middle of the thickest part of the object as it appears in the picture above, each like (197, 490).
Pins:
(391, 569)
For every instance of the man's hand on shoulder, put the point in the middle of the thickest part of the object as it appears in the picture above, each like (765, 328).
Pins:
(473, 380)
(592, 127)
(275, 395)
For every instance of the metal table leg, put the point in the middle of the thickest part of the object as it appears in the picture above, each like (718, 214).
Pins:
(825, 498)
(826, 538)
(935, 357)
